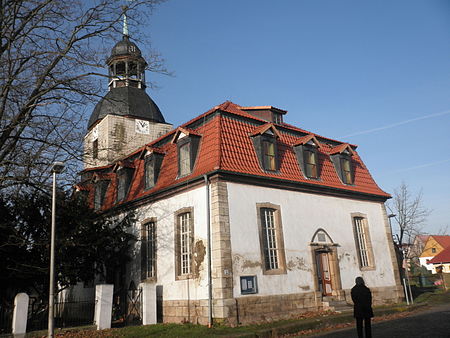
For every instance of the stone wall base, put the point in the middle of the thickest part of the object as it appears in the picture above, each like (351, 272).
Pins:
(259, 309)
(243, 310)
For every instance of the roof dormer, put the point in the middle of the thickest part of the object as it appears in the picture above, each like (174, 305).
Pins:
(265, 143)
(124, 172)
(267, 113)
(306, 151)
(187, 142)
(153, 158)
(341, 156)
(101, 183)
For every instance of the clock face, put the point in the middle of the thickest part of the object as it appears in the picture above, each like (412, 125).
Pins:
(95, 133)
(142, 127)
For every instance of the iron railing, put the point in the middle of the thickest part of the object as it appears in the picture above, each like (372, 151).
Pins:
(67, 314)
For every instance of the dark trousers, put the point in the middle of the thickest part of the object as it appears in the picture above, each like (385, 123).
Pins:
(367, 327)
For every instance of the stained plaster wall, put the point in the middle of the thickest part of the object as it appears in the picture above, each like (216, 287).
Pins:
(116, 137)
(163, 211)
(301, 215)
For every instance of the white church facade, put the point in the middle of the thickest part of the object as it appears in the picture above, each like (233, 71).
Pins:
(238, 214)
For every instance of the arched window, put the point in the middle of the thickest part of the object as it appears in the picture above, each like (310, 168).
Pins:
(321, 237)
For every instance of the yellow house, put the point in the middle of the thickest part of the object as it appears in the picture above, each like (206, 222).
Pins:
(433, 246)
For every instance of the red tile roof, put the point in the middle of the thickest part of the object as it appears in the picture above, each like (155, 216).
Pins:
(340, 148)
(442, 257)
(305, 139)
(262, 129)
(444, 241)
(226, 145)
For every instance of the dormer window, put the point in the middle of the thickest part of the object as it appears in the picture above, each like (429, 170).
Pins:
(277, 118)
(152, 166)
(310, 158)
(307, 156)
(265, 142)
(149, 172)
(346, 168)
(100, 189)
(267, 113)
(269, 153)
(184, 159)
(124, 176)
(187, 145)
(341, 157)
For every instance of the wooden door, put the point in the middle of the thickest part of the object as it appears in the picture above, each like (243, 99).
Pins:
(323, 273)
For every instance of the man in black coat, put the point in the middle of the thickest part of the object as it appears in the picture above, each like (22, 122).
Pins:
(362, 310)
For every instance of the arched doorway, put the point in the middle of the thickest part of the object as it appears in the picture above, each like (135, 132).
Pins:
(326, 265)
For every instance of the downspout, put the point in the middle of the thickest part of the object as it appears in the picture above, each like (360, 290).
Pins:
(208, 234)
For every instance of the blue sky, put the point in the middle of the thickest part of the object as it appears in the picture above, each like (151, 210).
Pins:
(371, 73)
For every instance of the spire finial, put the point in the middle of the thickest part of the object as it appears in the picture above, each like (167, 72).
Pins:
(125, 23)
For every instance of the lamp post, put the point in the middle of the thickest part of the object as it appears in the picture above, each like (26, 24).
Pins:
(57, 168)
(401, 249)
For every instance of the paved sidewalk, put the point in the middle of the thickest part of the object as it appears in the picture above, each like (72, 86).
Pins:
(434, 322)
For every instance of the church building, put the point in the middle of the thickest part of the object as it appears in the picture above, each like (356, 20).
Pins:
(239, 214)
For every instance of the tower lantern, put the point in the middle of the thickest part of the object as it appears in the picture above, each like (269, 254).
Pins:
(126, 65)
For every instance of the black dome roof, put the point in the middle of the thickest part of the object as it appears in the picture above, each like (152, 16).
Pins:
(127, 101)
(126, 47)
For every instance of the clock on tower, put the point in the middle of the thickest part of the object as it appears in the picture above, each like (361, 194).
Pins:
(142, 127)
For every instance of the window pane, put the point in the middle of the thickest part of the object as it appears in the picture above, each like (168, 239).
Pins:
(184, 160)
(95, 149)
(100, 191)
(148, 250)
(270, 241)
(269, 155)
(346, 171)
(149, 173)
(98, 197)
(185, 244)
(310, 163)
(361, 241)
(121, 187)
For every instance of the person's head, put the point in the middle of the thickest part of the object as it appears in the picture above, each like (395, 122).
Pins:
(359, 281)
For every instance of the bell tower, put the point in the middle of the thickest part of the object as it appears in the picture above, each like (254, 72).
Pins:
(126, 65)
(126, 118)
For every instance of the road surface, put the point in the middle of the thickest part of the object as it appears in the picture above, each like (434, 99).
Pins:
(432, 323)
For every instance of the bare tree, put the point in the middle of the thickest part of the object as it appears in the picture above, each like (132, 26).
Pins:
(410, 214)
(52, 55)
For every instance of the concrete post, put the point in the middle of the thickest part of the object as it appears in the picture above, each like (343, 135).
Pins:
(20, 314)
(148, 304)
(103, 306)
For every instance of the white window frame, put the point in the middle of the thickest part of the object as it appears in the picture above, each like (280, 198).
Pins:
(362, 241)
(149, 241)
(271, 238)
(184, 243)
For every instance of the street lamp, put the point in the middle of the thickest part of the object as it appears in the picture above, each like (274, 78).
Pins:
(404, 266)
(57, 168)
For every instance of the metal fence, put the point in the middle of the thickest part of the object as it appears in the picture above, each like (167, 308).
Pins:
(6, 315)
(67, 314)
